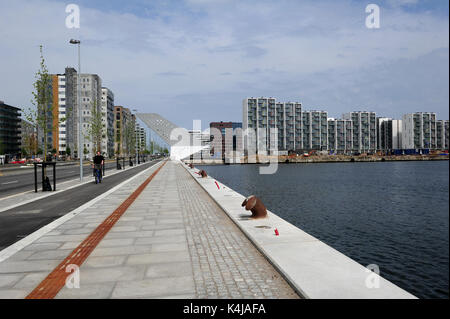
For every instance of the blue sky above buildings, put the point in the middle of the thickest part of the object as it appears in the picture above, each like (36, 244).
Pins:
(197, 59)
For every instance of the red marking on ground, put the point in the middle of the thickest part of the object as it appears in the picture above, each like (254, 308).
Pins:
(217, 185)
(56, 280)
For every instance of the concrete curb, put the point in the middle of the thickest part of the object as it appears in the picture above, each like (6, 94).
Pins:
(17, 246)
(312, 268)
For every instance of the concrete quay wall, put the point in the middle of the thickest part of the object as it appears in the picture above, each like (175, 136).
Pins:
(311, 267)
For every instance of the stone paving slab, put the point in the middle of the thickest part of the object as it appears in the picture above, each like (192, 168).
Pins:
(23, 271)
(172, 242)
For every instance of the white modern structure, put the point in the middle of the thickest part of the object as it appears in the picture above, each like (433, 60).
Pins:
(182, 143)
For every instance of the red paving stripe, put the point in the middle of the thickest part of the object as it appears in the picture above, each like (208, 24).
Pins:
(56, 280)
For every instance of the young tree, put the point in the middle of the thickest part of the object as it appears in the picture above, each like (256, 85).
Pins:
(24, 151)
(31, 144)
(95, 128)
(41, 115)
(130, 140)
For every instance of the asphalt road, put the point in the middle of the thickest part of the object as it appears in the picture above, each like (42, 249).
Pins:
(18, 181)
(21, 221)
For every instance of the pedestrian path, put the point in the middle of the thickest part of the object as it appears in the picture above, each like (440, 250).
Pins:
(172, 242)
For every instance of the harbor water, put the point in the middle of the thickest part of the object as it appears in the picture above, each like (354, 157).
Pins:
(392, 214)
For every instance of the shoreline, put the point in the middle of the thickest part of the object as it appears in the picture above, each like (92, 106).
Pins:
(320, 159)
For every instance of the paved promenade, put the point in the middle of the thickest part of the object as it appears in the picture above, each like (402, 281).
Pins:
(172, 242)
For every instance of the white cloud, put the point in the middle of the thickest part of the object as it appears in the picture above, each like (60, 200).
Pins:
(174, 62)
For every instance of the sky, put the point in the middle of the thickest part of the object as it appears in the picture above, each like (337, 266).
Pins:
(198, 59)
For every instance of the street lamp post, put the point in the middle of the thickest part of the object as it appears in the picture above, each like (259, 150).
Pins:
(136, 142)
(73, 41)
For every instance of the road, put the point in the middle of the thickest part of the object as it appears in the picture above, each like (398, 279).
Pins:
(21, 221)
(18, 181)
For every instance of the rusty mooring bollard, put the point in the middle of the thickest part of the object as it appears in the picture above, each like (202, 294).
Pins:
(203, 174)
(190, 165)
(256, 206)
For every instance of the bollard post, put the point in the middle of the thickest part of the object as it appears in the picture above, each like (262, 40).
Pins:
(43, 163)
(255, 205)
(54, 176)
(35, 177)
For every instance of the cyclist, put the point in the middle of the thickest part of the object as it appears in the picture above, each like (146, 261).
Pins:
(99, 161)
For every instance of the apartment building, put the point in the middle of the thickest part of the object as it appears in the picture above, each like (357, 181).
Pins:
(141, 138)
(66, 110)
(390, 134)
(9, 129)
(122, 118)
(269, 126)
(380, 142)
(107, 109)
(419, 130)
(364, 130)
(315, 130)
(442, 134)
(339, 136)
(91, 94)
(254, 124)
(63, 135)
(277, 126)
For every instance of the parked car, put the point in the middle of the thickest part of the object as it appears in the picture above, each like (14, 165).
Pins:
(19, 161)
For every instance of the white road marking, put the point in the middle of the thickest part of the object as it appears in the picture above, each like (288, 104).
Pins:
(85, 181)
(10, 182)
